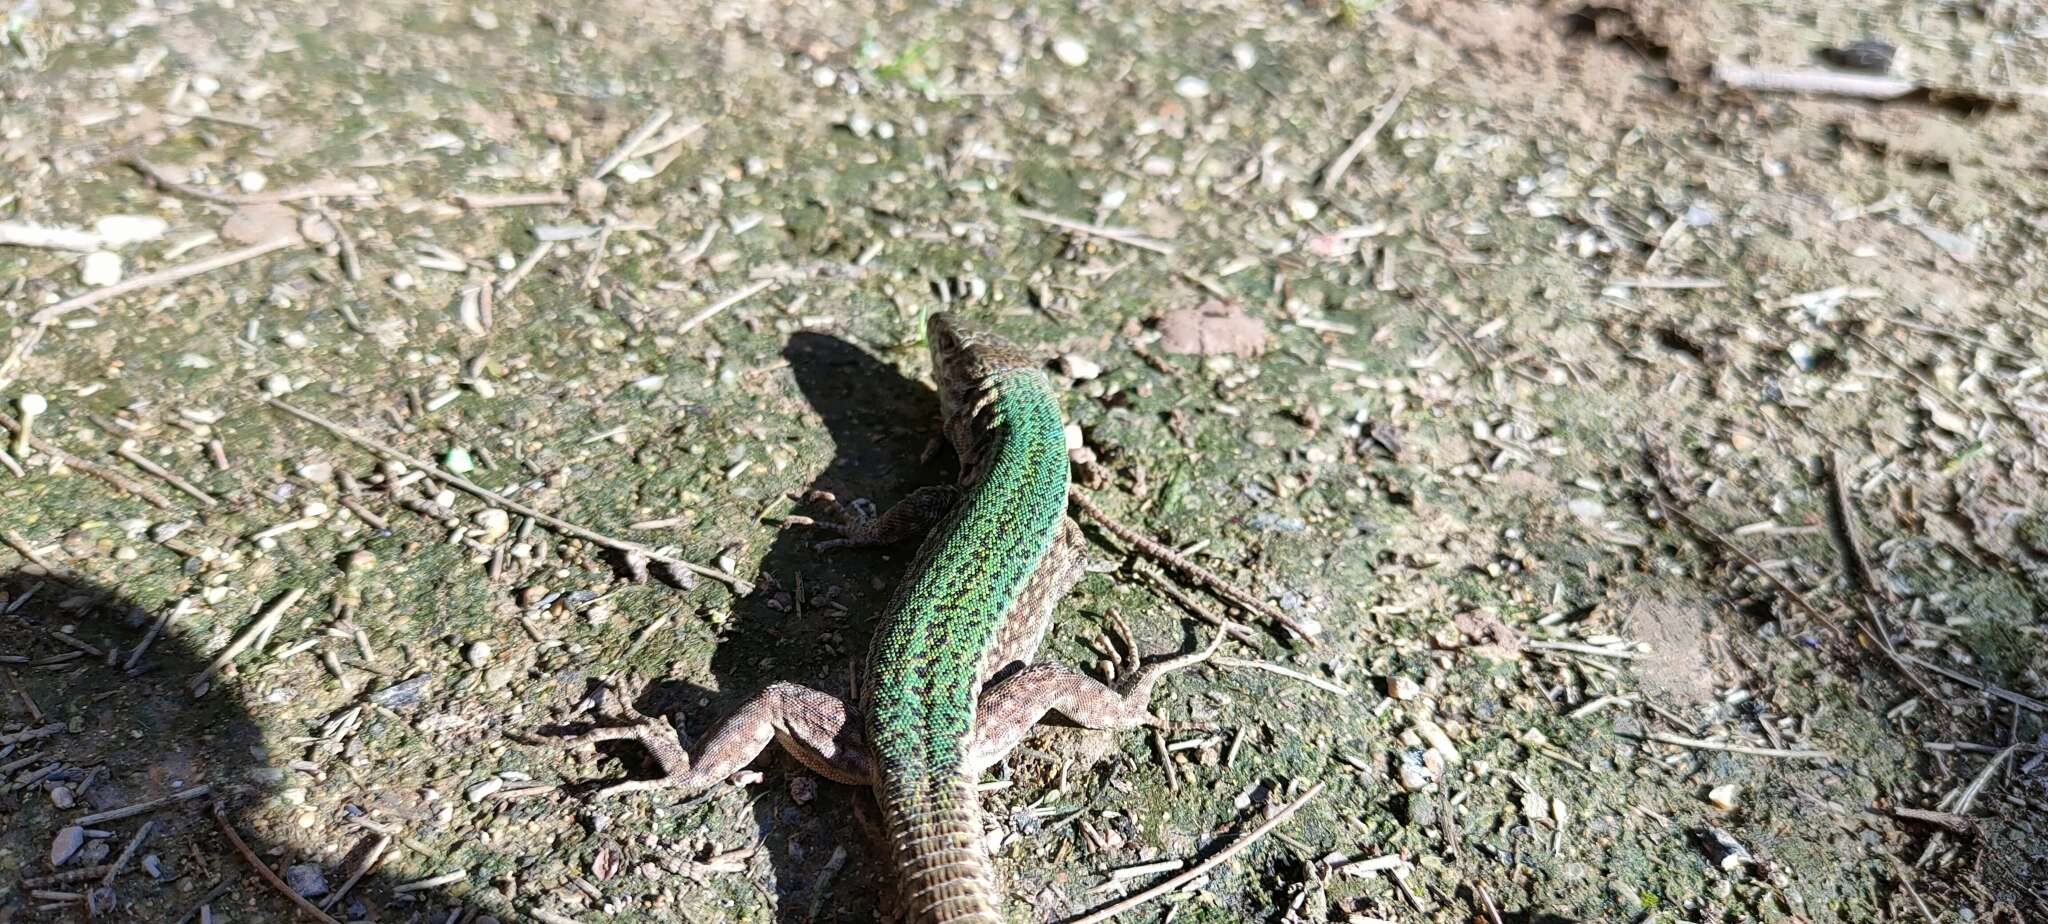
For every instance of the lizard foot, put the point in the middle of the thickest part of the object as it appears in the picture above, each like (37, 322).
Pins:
(653, 734)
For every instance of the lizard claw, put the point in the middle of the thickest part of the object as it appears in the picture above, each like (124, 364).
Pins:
(653, 734)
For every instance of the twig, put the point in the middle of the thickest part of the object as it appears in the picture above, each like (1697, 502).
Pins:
(17, 234)
(128, 853)
(369, 863)
(1578, 648)
(162, 277)
(263, 870)
(1334, 173)
(722, 304)
(1697, 744)
(633, 141)
(1165, 587)
(1671, 509)
(262, 626)
(512, 200)
(2018, 699)
(1200, 869)
(1814, 80)
(14, 540)
(738, 585)
(1159, 552)
(351, 263)
(1284, 671)
(1664, 282)
(31, 734)
(1123, 236)
(316, 190)
(130, 811)
(143, 462)
(1844, 522)
(118, 480)
(533, 258)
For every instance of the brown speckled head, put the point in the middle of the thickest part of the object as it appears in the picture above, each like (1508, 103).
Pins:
(965, 361)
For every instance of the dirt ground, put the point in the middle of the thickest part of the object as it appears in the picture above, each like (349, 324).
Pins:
(1658, 459)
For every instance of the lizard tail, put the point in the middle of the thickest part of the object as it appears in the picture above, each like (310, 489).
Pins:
(942, 866)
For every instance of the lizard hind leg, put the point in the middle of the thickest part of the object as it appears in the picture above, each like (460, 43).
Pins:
(816, 727)
(1011, 707)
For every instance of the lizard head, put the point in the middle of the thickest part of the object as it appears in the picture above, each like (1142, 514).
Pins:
(967, 364)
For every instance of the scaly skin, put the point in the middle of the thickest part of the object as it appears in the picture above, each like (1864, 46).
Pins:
(940, 637)
(951, 686)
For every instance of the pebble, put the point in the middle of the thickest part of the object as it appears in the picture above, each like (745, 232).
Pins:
(1415, 773)
(1723, 797)
(1403, 688)
(60, 796)
(117, 230)
(1244, 56)
(66, 845)
(634, 171)
(482, 789)
(252, 181)
(477, 654)
(100, 268)
(306, 879)
(403, 280)
(483, 18)
(1191, 87)
(458, 461)
(1079, 368)
(495, 523)
(1303, 208)
(824, 77)
(1070, 51)
(205, 84)
(277, 384)
(359, 561)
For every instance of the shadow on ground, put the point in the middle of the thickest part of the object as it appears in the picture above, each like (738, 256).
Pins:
(107, 729)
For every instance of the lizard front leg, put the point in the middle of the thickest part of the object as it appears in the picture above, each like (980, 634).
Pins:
(858, 526)
(1011, 707)
(815, 727)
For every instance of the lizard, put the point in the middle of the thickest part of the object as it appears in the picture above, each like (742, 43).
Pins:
(950, 683)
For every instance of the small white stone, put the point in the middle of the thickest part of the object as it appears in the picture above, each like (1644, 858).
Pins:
(1191, 87)
(823, 77)
(402, 280)
(1403, 688)
(1070, 51)
(277, 385)
(633, 171)
(482, 789)
(205, 84)
(477, 654)
(459, 461)
(1244, 56)
(1723, 797)
(252, 181)
(494, 523)
(1303, 208)
(66, 844)
(1079, 368)
(100, 268)
(483, 18)
(119, 230)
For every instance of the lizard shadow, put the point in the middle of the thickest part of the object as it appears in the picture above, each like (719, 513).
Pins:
(809, 619)
(92, 721)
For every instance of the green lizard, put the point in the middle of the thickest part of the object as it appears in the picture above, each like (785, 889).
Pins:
(950, 685)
